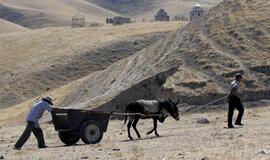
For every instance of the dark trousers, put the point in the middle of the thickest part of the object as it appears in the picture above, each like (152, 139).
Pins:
(27, 132)
(235, 102)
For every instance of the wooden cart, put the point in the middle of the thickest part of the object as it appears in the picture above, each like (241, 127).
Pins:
(75, 124)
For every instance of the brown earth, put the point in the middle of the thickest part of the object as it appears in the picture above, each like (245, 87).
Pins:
(184, 139)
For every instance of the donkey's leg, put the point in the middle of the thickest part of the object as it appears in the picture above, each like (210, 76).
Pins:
(134, 124)
(155, 127)
(149, 132)
(152, 130)
(130, 120)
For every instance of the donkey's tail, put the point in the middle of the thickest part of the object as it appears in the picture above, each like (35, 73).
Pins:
(126, 112)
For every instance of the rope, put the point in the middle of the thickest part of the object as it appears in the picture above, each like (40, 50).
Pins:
(213, 101)
(134, 114)
(201, 107)
(154, 115)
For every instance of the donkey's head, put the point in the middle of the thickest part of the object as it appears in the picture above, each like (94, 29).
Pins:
(171, 108)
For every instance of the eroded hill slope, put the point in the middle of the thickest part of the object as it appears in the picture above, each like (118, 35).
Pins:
(195, 64)
(40, 61)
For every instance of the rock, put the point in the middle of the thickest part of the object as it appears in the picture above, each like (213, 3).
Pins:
(2, 157)
(85, 157)
(202, 120)
(116, 149)
(205, 158)
(261, 152)
(181, 155)
(135, 42)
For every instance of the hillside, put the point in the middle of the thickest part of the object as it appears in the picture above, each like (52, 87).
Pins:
(7, 27)
(140, 9)
(195, 64)
(35, 62)
(233, 37)
(106, 67)
(40, 14)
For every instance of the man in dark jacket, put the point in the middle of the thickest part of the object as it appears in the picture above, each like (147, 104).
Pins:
(32, 123)
(235, 101)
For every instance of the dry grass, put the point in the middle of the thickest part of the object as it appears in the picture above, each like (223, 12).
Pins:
(223, 43)
(57, 43)
(40, 14)
(142, 9)
(35, 62)
(202, 49)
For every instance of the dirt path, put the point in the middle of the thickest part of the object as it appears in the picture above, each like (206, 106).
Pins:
(220, 50)
(179, 140)
(224, 52)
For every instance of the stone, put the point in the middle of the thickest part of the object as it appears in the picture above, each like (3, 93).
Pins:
(85, 157)
(261, 152)
(202, 120)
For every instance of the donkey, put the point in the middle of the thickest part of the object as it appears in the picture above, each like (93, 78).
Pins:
(150, 107)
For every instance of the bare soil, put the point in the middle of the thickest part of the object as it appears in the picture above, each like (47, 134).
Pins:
(184, 139)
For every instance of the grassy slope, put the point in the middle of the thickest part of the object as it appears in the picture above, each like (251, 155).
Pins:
(233, 37)
(147, 9)
(38, 61)
(206, 64)
(39, 14)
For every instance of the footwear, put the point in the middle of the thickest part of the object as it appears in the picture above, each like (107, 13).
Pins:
(16, 148)
(43, 146)
(230, 126)
(239, 124)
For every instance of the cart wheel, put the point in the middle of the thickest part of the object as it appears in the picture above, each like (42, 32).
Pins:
(90, 132)
(69, 138)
